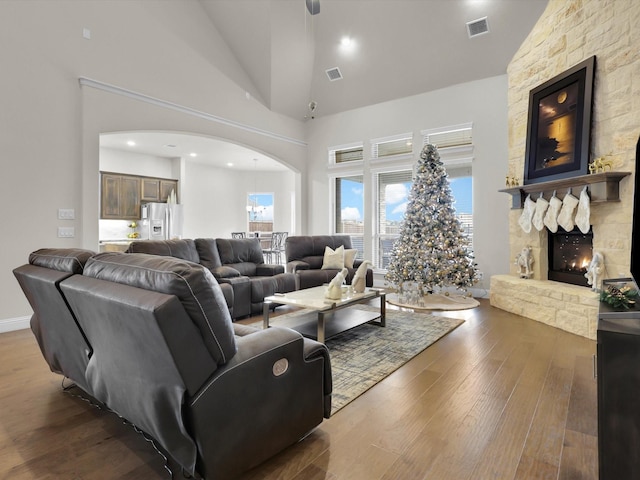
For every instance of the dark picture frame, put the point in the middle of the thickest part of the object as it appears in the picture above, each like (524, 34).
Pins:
(559, 125)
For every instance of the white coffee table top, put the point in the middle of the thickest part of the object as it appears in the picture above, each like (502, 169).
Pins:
(314, 298)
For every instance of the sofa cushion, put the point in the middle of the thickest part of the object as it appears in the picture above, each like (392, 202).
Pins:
(333, 259)
(70, 260)
(349, 257)
(235, 251)
(182, 248)
(193, 284)
(208, 253)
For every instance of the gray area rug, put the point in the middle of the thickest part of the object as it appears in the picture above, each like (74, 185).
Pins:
(365, 355)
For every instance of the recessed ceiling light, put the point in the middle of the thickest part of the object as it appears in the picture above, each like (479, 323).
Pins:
(131, 143)
(229, 164)
(346, 42)
(192, 154)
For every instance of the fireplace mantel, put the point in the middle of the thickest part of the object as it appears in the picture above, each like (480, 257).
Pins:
(603, 187)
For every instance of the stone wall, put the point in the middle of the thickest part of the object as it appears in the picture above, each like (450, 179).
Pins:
(568, 32)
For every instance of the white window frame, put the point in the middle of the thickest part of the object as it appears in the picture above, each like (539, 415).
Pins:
(457, 155)
(344, 173)
(377, 237)
(376, 142)
(331, 156)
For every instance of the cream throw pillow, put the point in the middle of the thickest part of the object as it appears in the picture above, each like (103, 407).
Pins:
(333, 259)
(349, 257)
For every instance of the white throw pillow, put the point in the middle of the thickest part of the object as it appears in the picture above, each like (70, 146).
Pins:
(333, 259)
(349, 257)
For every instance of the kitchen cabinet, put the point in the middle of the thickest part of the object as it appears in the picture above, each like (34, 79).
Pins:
(166, 186)
(121, 195)
(618, 372)
(150, 189)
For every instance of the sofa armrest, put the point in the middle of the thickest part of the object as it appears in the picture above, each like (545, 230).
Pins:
(225, 272)
(296, 265)
(268, 270)
(270, 380)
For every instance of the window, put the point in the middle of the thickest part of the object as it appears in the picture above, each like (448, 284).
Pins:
(455, 143)
(392, 146)
(461, 183)
(392, 193)
(349, 210)
(260, 212)
(346, 153)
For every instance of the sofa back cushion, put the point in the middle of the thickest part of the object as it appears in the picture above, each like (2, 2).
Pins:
(182, 248)
(208, 253)
(242, 254)
(193, 284)
(71, 260)
(310, 249)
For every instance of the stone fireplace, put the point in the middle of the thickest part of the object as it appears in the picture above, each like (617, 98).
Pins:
(567, 33)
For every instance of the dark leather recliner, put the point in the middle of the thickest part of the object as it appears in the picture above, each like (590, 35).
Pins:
(156, 344)
(305, 255)
(238, 263)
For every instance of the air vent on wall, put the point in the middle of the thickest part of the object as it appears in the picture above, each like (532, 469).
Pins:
(478, 27)
(334, 74)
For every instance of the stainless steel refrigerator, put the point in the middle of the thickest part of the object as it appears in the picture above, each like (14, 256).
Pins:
(162, 221)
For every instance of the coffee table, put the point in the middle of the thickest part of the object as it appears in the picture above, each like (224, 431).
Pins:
(329, 317)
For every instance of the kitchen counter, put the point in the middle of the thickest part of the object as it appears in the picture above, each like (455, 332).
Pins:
(115, 245)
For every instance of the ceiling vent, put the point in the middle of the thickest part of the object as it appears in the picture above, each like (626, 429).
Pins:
(334, 74)
(478, 27)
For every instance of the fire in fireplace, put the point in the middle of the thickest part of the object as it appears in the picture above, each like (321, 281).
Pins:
(569, 256)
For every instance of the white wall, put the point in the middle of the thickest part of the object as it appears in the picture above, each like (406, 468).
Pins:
(132, 163)
(50, 125)
(215, 199)
(483, 102)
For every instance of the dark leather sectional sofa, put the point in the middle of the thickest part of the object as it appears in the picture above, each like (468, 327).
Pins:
(237, 262)
(151, 338)
(305, 255)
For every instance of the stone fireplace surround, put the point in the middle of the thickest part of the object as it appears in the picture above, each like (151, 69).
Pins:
(566, 34)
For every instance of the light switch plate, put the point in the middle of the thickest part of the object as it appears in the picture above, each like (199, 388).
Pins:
(66, 214)
(66, 232)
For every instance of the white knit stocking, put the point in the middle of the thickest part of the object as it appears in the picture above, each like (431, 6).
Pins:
(551, 217)
(527, 214)
(538, 216)
(583, 213)
(565, 219)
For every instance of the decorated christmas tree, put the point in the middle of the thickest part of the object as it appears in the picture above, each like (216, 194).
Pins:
(432, 249)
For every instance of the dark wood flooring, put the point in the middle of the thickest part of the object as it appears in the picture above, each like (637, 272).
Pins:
(501, 397)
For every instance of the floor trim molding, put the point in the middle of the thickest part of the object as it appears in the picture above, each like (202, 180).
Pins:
(12, 324)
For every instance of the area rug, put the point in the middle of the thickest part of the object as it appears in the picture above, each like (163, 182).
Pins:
(365, 355)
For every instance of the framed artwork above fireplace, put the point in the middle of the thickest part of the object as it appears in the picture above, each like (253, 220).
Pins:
(559, 125)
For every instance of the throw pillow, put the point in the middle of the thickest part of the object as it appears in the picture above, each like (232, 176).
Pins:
(333, 259)
(349, 257)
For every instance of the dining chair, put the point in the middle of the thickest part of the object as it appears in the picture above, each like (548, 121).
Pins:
(275, 253)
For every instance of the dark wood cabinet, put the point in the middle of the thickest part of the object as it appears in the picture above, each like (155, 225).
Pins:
(121, 195)
(166, 186)
(618, 371)
(150, 189)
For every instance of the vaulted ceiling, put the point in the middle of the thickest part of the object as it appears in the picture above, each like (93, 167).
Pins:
(399, 47)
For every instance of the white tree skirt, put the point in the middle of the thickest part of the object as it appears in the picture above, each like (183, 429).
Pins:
(437, 301)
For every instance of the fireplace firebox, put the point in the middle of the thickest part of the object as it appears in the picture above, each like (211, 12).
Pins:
(569, 256)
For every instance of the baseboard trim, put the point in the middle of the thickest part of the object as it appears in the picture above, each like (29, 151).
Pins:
(12, 324)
